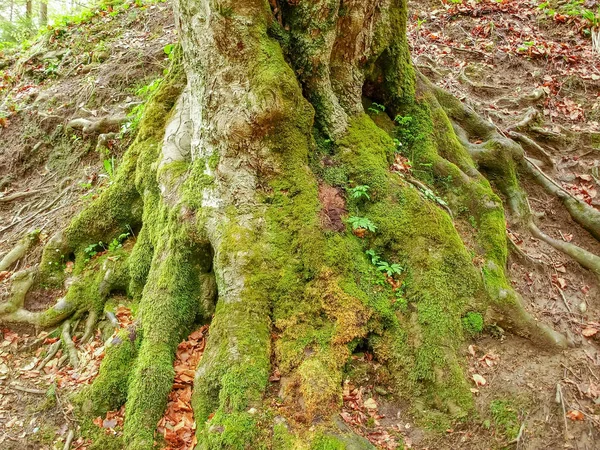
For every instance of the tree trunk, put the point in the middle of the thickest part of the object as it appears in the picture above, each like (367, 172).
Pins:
(247, 161)
(43, 13)
(28, 9)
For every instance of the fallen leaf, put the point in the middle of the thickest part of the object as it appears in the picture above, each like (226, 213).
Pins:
(479, 380)
(589, 332)
(575, 415)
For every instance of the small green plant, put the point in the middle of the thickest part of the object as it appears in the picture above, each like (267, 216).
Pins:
(136, 113)
(93, 249)
(384, 266)
(362, 222)
(390, 269)
(473, 323)
(405, 132)
(168, 49)
(117, 242)
(359, 192)
(109, 167)
(429, 194)
(472, 221)
(526, 46)
(376, 108)
(398, 145)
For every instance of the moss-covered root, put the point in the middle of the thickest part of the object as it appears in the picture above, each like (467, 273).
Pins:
(443, 151)
(109, 390)
(87, 293)
(499, 154)
(233, 373)
(21, 283)
(170, 304)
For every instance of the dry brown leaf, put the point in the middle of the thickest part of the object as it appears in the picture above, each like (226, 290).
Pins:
(589, 332)
(575, 415)
(479, 380)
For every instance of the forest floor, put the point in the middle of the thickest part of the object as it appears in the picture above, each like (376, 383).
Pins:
(515, 64)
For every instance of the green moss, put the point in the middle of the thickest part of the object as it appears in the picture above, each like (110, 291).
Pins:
(441, 281)
(109, 390)
(170, 301)
(365, 153)
(235, 430)
(335, 176)
(283, 439)
(325, 442)
(505, 415)
(100, 440)
(473, 323)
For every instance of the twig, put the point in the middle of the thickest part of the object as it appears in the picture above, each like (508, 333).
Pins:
(562, 294)
(517, 440)
(560, 397)
(28, 390)
(69, 440)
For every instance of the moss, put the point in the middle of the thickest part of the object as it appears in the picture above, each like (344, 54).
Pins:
(505, 415)
(390, 67)
(441, 281)
(473, 323)
(234, 431)
(100, 440)
(324, 442)
(170, 301)
(335, 176)
(365, 152)
(283, 439)
(109, 390)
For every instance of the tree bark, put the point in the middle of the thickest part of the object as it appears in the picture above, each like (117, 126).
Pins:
(229, 186)
(43, 13)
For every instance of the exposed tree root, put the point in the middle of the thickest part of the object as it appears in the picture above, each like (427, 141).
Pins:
(19, 250)
(534, 145)
(69, 344)
(52, 350)
(224, 203)
(583, 257)
(492, 155)
(585, 215)
(100, 126)
(90, 326)
(20, 195)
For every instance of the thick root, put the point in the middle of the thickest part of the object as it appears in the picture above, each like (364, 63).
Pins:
(69, 344)
(585, 215)
(583, 257)
(19, 250)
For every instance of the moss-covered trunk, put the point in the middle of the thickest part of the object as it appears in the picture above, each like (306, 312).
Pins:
(288, 118)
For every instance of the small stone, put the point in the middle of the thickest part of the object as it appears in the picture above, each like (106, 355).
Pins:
(370, 403)
(583, 307)
(252, 411)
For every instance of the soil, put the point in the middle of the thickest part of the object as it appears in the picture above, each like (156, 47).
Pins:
(101, 65)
